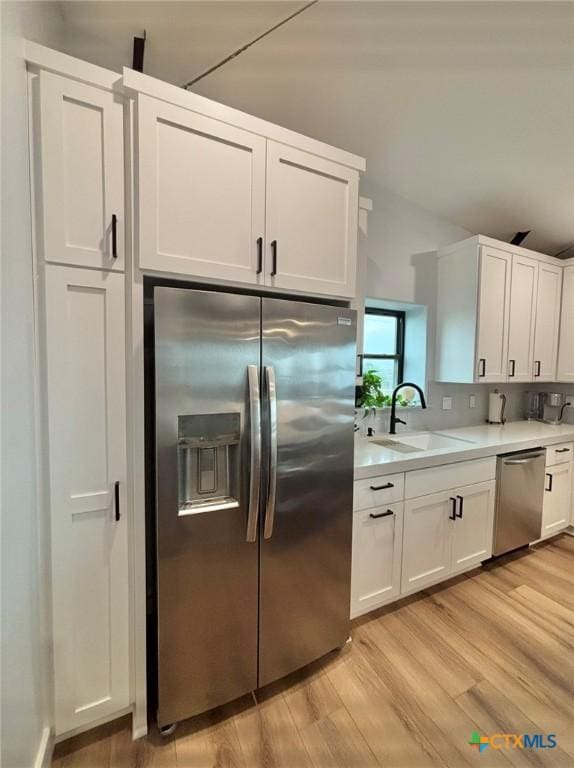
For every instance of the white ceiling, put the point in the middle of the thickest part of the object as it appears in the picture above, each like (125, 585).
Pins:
(467, 109)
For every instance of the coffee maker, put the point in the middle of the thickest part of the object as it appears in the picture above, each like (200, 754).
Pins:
(546, 406)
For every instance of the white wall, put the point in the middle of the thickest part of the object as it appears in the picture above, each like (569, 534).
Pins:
(25, 670)
(402, 238)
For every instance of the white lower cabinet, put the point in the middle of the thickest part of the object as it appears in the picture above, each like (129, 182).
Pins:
(557, 499)
(474, 525)
(445, 533)
(427, 540)
(377, 545)
(444, 526)
(85, 352)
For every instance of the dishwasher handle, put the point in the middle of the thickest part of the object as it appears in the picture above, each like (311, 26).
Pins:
(526, 460)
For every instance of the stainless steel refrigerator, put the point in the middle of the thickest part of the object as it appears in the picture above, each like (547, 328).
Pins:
(254, 407)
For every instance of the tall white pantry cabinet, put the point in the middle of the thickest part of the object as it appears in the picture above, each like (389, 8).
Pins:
(81, 176)
(204, 193)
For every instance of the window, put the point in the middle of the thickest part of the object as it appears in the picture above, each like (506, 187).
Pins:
(384, 345)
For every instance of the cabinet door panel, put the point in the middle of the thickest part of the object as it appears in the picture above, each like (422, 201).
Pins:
(472, 533)
(566, 352)
(201, 197)
(377, 545)
(312, 214)
(82, 169)
(87, 439)
(521, 318)
(557, 499)
(427, 541)
(493, 310)
(547, 322)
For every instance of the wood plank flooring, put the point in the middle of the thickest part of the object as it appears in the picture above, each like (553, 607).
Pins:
(492, 651)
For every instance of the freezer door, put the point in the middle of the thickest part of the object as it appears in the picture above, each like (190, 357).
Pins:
(308, 356)
(207, 359)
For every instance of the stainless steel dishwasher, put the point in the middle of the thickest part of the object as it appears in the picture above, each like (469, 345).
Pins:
(519, 498)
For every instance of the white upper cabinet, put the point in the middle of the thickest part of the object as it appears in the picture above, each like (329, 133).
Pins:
(312, 217)
(498, 314)
(217, 201)
(547, 322)
(521, 319)
(493, 314)
(201, 195)
(82, 172)
(85, 321)
(566, 351)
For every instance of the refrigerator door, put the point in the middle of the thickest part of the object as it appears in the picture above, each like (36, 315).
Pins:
(207, 357)
(308, 357)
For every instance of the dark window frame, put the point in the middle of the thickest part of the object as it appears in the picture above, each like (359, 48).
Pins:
(399, 356)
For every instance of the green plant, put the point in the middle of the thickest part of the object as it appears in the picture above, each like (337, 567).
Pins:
(372, 395)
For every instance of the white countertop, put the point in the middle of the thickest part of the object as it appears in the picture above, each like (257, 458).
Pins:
(488, 440)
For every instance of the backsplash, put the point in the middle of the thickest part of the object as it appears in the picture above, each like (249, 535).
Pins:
(460, 415)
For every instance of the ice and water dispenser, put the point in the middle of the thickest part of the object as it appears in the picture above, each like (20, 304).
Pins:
(208, 462)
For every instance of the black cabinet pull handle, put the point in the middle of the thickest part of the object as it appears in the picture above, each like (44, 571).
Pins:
(381, 487)
(482, 367)
(274, 258)
(513, 368)
(563, 450)
(259, 255)
(537, 364)
(459, 513)
(452, 515)
(381, 514)
(117, 500)
(114, 236)
(550, 481)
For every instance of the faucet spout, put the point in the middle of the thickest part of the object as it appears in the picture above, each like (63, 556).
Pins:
(394, 418)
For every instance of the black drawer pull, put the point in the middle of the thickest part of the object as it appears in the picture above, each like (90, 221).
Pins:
(459, 513)
(259, 255)
(550, 481)
(563, 450)
(117, 500)
(482, 367)
(114, 236)
(538, 366)
(452, 515)
(274, 258)
(381, 487)
(513, 368)
(382, 514)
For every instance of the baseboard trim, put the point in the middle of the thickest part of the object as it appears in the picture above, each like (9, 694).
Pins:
(45, 749)
(94, 724)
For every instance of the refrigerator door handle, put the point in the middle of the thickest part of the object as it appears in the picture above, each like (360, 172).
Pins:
(272, 400)
(255, 468)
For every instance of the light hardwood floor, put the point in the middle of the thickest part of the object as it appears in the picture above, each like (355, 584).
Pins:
(492, 651)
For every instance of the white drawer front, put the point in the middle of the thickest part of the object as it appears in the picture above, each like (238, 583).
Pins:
(559, 454)
(377, 491)
(422, 482)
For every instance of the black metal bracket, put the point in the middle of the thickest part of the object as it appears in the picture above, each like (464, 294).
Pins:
(139, 48)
